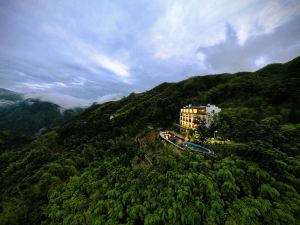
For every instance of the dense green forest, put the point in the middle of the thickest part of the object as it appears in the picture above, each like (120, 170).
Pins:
(107, 165)
(23, 119)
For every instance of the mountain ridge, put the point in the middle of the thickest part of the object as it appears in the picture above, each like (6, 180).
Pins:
(245, 83)
(94, 169)
(22, 119)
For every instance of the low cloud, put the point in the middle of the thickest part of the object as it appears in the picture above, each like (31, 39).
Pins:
(67, 101)
(5, 103)
(62, 100)
(109, 97)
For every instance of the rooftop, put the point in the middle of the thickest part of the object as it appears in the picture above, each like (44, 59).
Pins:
(194, 107)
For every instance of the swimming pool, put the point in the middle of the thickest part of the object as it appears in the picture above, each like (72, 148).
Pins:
(177, 141)
(196, 147)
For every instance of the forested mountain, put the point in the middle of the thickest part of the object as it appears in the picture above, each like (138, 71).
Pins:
(94, 170)
(7, 95)
(23, 118)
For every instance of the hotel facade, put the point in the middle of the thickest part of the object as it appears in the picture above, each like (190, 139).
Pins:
(192, 116)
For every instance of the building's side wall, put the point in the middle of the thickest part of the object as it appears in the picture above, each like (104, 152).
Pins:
(211, 111)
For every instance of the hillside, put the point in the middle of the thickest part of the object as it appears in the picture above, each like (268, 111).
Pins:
(21, 119)
(269, 91)
(92, 169)
(7, 95)
(30, 115)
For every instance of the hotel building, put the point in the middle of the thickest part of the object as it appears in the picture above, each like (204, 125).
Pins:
(191, 116)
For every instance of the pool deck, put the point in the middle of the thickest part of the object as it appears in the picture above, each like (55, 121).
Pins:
(166, 135)
(175, 139)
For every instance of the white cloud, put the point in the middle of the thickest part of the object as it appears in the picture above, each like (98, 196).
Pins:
(5, 103)
(89, 56)
(40, 85)
(78, 81)
(265, 19)
(109, 97)
(276, 13)
(68, 101)
(261, 61)
(200, 56)
(185, 26)
(112, 65)
(60, 84)
(201, 59)
(35, 86)
(188, 25)
(63, 100)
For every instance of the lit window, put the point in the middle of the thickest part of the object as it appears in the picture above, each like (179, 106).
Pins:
(195, 110)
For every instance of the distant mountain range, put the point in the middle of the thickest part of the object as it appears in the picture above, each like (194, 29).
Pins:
(8, 97)
(30, 116)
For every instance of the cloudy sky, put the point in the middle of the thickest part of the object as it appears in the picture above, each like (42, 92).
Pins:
(77, 52)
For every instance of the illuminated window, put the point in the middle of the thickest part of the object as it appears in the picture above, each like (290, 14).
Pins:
(195, 110)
